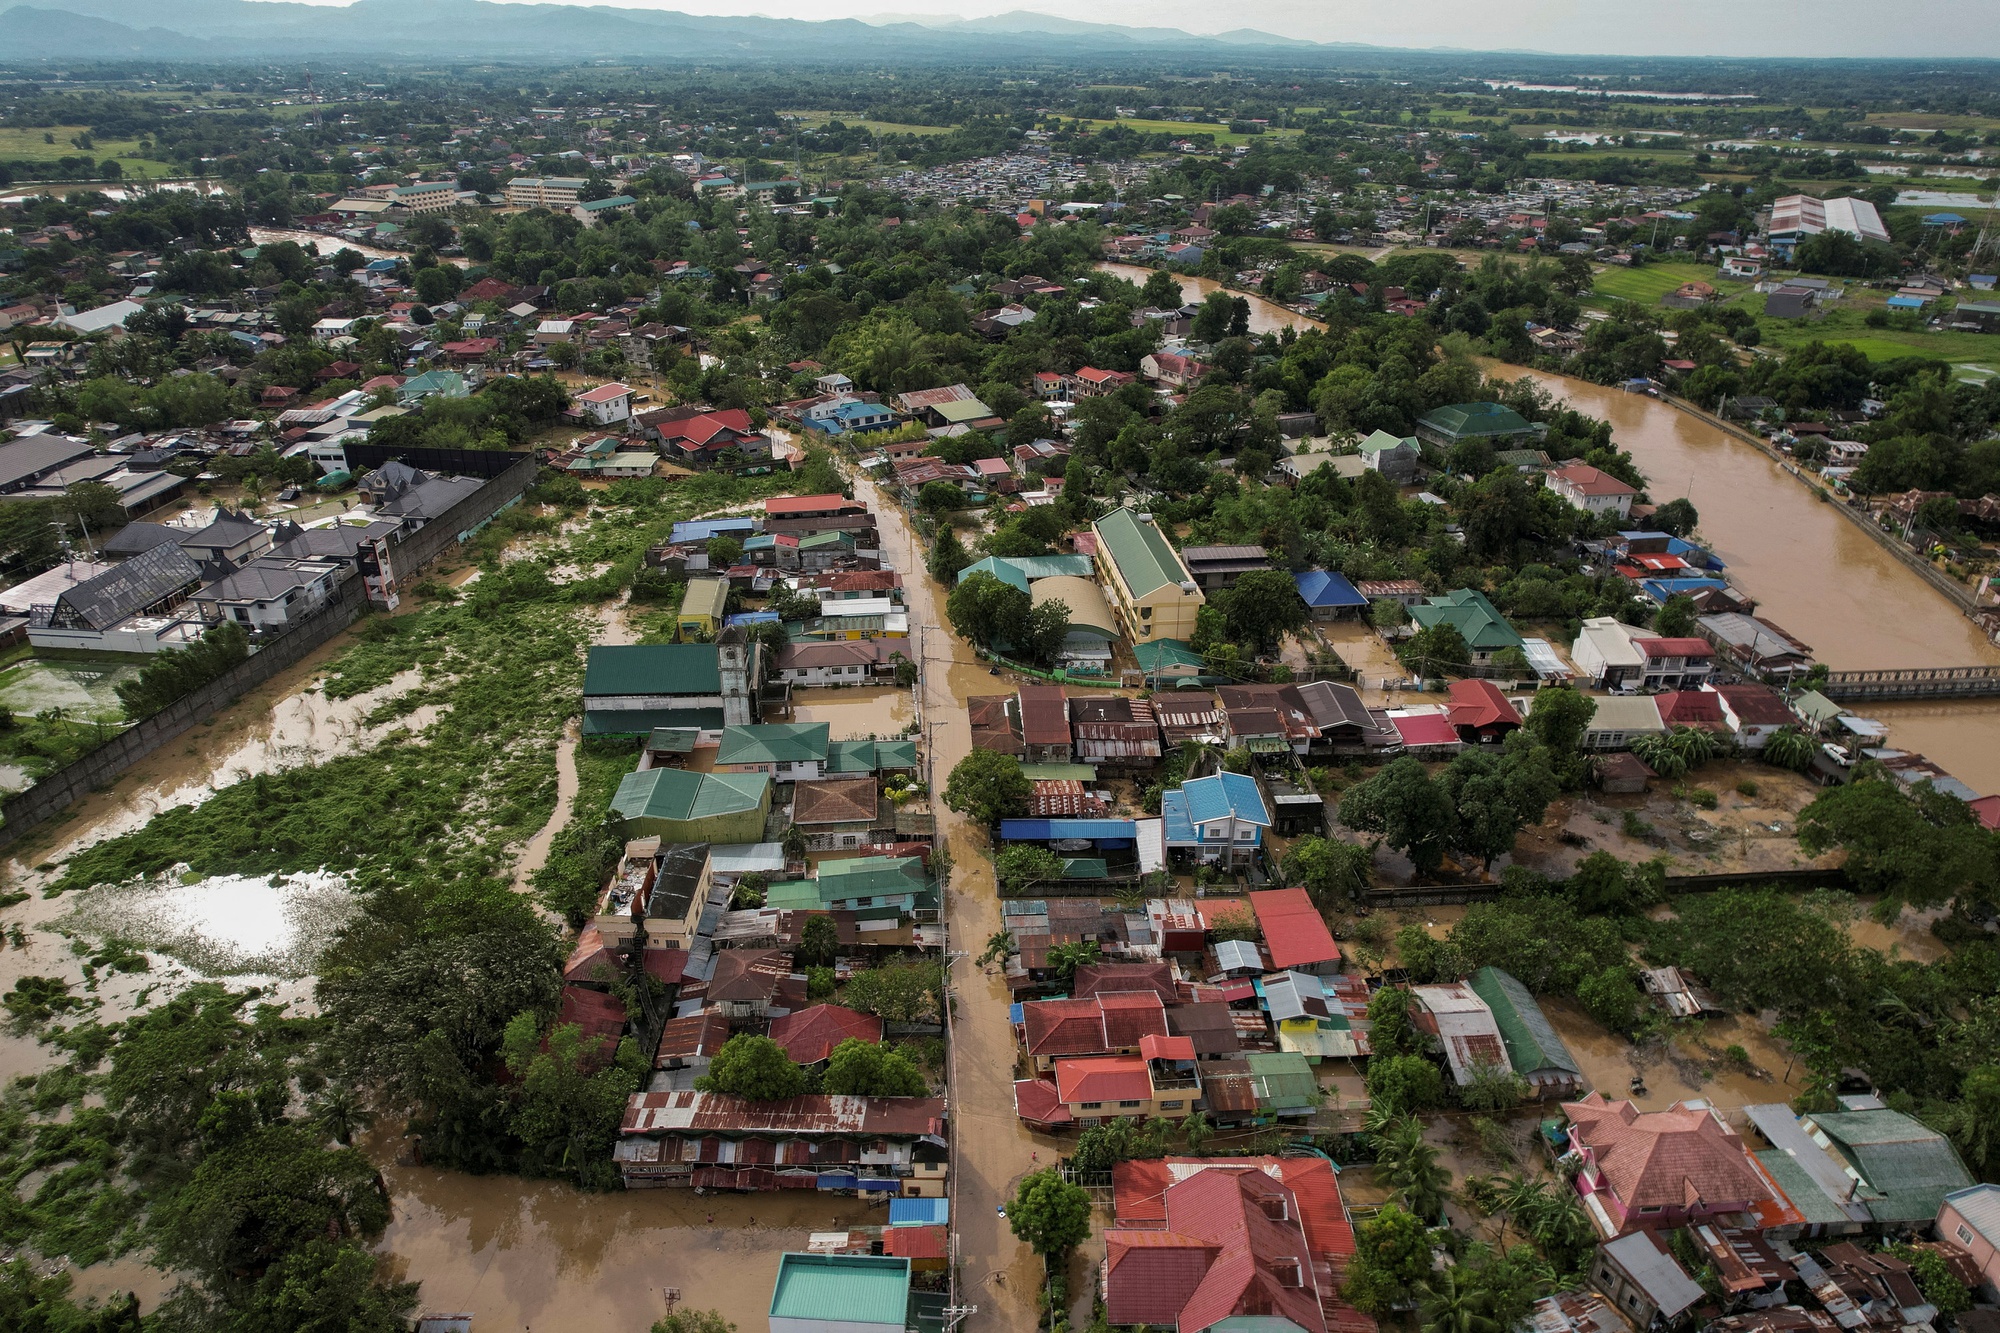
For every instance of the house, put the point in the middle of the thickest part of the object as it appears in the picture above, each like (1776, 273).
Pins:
(1109, 1023)
(1606, 654)
(702, 608)
(630, 689)
(1752, 713)
(838, 814)
(231, 538)
(856, 882)
(665, 886)
(1673, 664)
(810, 1035)
(271, 592)
(677, 805)
(1153, 592)
(1220, 566)
(1167, 660)
(1328, 596)
(747, 984)
(1480, 713)
(1455, 1014)
(1260, 1243)
(1648, 1170)
(1619, 719)
(1483, 628)
(1218, 819)
(1114, 731)
(1969, 1221)
(1534, 1049)
(1295, 934)
(1622, 774)
(1395, 457)
(1905, 1169)
(1756, 645)
(1424, 733)
(1189, 715)
(1642, 1278)
(1090, 382)
(129, 607)
(1406, 593)
(785, 751)
(812, 506)
(1797, 216)
(841, 1293)
(1497, 425)
(1592, 490)
(838, 662)
(1159, 1081)
(1346, 726)
(1045, 730)
(1171, 369)
(1093, 629)
(606, 404)
(715, 1141)
(592, 211)
(1268, 719)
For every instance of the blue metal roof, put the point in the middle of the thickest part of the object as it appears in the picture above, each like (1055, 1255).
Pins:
(750, 618)
(1661, 589)
(700, 530)
(1039, 830)
(1321, 588)
(1174, 821)
(919, 1212)
(1221, 795)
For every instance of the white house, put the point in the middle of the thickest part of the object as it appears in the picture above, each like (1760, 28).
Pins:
(270, 592)
(606, 404)
(1753, 712)
(1592, 490)
(326, 330)
(1605, 654)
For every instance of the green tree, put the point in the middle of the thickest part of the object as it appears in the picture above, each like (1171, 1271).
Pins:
(1263, 607)
(819, 941)
(1493, 797)
(863, 1069)
(988, 611)
(1560, 717)
(1404, 1083)
(1612, 998)
(1048, 629)
(568, 1098)
(1391, 1031)
(1331, 870)
(1788, 747)
(1973, 1122)
(941, 497)
(908, 992)
(724, 552)
(1392, 1254)
(1021, 866)
(1436, 650)
(948, 557)
(1451, 1302)
(1409, 1166)
(1049, 1214)
(1922, 848)
(1675, 619)
(1677, 517)
(1065, 959)
(988, 786)
(754, 1068)
(1411, 812)
(693, 1321)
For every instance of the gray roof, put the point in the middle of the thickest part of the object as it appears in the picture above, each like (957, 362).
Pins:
(26, 459)
(1797, 1151)
(266, 579)
(136, 537)
(101, 602)
(1655, 1272)
(227, 528)
(1979, 1205)
(430, 498)
(1232, 954)
(338, 542)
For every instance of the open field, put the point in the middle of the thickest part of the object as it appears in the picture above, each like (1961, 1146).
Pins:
(1647, 283)
(1930, 120)
(28, 145)
(877, 126)
(1187, 127)
(1845, 323)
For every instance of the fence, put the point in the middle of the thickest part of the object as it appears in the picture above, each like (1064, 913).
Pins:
(63, 788)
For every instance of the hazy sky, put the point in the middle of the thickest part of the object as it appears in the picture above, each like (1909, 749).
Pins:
(1957, 28)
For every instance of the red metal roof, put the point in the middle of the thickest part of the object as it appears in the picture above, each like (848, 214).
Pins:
(1063, 1027)
(1037, 1101)
(1479, 704)
(697, 1113)
(1689, 647)
(1294, 932)
(1130, 1017)
(1155, 1047)
(809, 504)
(810, 1035)
(1104, 1078)
(1425, 729)
(1755, 705)
(916, 1242)
(1044, 715)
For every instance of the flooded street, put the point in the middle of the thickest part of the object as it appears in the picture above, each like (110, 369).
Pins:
(1810, 569)
(990, 1147)
(1265, 316)
(536, 854)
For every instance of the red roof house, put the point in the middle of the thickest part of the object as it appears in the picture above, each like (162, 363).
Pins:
(1198, 1242)
(1104, 1081)
(1653, 1169)
(1480, 713)
(810, 1035)
(1295, 934)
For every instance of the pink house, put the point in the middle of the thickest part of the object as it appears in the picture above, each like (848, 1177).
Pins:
(1969, 1222)
(1648, 1170)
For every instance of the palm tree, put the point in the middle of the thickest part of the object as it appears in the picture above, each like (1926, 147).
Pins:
(1693, 744)
(338, 1112)
(1409, 1167)
(1525, 1201)
(1788, 747)
(1658, 754)
(1448, 1303)
(1197, 1130)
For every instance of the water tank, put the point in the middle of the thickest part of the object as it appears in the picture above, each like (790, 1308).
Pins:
(1145, 518)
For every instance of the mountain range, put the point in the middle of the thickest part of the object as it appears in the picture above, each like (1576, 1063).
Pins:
(433, 30)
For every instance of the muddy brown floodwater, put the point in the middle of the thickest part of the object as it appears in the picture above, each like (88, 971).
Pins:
(1265, 316)
(1810, 569)
(857, 712)
(992, 1150)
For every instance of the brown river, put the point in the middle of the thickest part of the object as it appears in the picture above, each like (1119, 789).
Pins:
(1810, 569)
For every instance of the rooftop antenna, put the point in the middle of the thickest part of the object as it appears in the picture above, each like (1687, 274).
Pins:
(1989, 230)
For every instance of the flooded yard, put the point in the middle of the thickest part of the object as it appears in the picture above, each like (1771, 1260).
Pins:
(857, 713)
(85, 688)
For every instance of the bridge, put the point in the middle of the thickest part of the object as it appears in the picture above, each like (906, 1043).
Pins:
(1913, 683)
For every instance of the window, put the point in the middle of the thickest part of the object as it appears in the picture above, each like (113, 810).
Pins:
(1964, 1233)
(1173, 1105)
(1090, 1106)
(1651, 1209)
(1127, 1105)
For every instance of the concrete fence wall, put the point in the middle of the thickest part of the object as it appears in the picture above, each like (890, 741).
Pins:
(63, 788)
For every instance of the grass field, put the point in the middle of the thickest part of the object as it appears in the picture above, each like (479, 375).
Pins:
(1646, 284)
(876, 126)
(18, 145)
(1845, 321)
(1928, 120)
(1188, 127)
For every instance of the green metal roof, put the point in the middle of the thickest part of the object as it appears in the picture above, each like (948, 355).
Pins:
(1816, 707)
(820, 539)
(1283, 1080)
(677, 794)
(842, 1289)
(653, 668)
(1382, 440)
(774, 743)
(1144, 557)
(963, 410)
(1160, 654)
(1532, 1044)
(705, 597)
(1484, 628)
(1800, 1187)
(1086, 867)
(793, 895)
(1467, 420)
(1058, 772)
(1910, 1166)
(870, 756)
(672, 740)
(871, 877)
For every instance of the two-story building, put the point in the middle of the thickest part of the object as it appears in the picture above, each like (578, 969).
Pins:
(1153, 593)
(271, 592)
(1163, 1080)
(1592, 490)
(607, 404)
(1653, 1170)
(1219, 819)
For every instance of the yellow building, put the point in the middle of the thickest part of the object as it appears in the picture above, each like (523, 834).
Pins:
(1151, 589)
(702, 609)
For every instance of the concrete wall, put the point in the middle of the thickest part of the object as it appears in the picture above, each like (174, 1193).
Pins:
(58, 791)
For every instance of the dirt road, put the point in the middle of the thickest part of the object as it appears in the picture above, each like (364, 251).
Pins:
(993, 1151)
